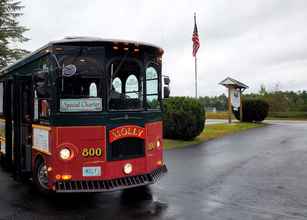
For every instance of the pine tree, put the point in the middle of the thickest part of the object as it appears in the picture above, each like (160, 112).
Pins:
(10, 32)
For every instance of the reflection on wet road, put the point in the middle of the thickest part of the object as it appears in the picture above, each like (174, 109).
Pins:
(22, 202)
(258, 174)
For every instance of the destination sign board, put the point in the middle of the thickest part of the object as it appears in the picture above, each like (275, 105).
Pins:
(81, 105)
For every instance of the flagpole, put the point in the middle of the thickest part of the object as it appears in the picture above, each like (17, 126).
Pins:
(195, 63)
(195, 76)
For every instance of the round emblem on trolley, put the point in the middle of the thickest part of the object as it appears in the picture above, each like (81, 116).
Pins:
(69, 70)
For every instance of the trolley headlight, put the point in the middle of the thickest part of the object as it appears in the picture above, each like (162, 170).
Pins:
(65, 154)
(158, 143)
(128, 168)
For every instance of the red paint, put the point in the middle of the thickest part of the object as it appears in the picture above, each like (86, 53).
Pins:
(77, 138)
(126, 131)
(154, 132)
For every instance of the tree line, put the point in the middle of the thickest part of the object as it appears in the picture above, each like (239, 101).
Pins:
(279, 101)
(11, 32)
(217, 102)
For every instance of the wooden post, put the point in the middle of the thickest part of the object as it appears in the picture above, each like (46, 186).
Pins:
(229, 106)
(241, 106)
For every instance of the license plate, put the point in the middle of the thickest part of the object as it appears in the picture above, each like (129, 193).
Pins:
(91, 171)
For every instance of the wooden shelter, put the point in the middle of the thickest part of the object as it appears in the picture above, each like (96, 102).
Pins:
(234, 87)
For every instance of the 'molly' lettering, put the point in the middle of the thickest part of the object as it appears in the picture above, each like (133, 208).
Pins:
(126, 131)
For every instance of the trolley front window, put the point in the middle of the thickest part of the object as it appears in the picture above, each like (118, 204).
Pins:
(126, 90)
(80, 78)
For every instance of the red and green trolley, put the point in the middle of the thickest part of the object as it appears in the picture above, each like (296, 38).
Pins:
(84, 115)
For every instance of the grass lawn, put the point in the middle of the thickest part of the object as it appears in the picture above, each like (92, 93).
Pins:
(211, 132)
(218, 115)
(287, 115)
(271, 116)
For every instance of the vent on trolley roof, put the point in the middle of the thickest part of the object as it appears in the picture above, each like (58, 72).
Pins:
(127, 148)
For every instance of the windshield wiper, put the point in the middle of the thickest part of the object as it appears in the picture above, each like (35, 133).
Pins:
(117, 70)
(120, 64)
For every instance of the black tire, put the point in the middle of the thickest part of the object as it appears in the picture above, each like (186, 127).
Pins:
(2, 160)
(38, 180)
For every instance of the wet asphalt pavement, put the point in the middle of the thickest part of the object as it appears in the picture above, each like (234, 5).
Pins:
(257, 174)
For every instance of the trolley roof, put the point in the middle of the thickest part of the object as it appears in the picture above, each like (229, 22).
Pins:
(68, 40)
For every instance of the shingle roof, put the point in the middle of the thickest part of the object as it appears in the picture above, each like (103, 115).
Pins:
(232, 82)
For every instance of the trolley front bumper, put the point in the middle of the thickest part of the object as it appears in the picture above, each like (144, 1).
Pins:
(109, 185)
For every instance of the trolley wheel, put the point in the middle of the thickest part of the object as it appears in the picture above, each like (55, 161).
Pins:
(1, 160)
(40, 176)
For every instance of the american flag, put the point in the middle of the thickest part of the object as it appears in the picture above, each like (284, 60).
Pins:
(195, 38)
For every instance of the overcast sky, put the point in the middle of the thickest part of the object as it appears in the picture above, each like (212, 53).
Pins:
(256, 42)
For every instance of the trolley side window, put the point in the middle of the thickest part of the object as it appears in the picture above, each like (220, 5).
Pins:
(132, 87)
(41, 70)
(117, 85)
(152, 88)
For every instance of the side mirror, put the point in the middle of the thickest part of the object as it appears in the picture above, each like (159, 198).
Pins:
(166, 80)
(40, 76)
(40, 79)
(166, 92)
(43, 92)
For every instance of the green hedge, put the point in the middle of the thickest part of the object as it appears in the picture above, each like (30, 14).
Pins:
(288, 115)
(183, 118)
(253, 110)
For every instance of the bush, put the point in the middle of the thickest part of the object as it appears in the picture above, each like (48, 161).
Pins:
(183, 118)
(253, 110)
(288, 115)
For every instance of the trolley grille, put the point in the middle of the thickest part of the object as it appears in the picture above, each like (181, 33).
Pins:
(109, 185)
(127, 148)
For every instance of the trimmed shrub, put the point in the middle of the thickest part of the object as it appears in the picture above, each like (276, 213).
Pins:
(288, 115)
(183, 118)
(253, 110)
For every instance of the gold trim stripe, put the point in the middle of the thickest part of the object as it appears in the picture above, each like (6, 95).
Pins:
(41, 127)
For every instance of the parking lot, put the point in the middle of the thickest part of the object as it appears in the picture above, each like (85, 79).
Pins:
(256, 174)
